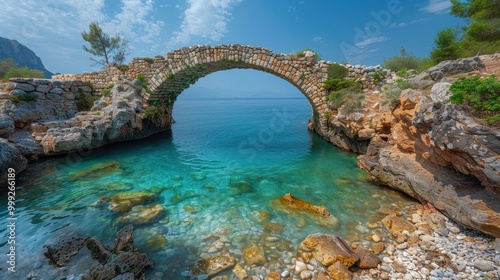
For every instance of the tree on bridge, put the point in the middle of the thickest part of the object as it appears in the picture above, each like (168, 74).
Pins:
(110, 49)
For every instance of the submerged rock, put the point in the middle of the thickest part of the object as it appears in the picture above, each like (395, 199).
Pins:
(213, 265)
(141, 215)
(155, 243)
(290, 204)
(126, 200)
(96, 171)
(254, 255)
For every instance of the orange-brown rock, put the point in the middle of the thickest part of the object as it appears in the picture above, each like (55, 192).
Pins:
(328, 249)
(397, 225)
(126, 200)
(339, 272)
(291, 204)
(141, 215)
(254, 255)
(213, 265)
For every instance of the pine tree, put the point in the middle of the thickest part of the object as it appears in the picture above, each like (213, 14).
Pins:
(110, 49)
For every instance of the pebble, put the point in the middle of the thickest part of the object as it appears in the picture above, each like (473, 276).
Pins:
(484, 265)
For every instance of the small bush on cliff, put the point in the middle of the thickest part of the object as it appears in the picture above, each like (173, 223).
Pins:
(408, 61)
(393, 91)
(83, 102)
(151, 111)
(481, 95)
(343, 91)
(28, 97)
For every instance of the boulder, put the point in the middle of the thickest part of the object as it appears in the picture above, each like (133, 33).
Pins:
(328, 249)
(213, 265)
(395, 224)
(125, 263)
(338, 271)
(141, 215)
(99, 251)
(254, 255)
(10, 157)
(61, 251)
(6, 125)
(367, 259)
(123, 239)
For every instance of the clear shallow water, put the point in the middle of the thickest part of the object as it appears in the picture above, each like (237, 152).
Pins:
(261, 146)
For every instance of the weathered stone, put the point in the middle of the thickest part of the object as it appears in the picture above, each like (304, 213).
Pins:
(140, 215)
(123, 239)
(254, 255)
(328, 249)
(21, 86)
(64, 249)
(126, 262)
(98, 250)
(6, 125)
(397, 225)
(214, 265)
(155, 243)
(338, 271)
(240, 272)
(367, 259)
(10, 157)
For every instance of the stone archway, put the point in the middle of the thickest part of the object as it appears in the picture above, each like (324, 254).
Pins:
(185, 66)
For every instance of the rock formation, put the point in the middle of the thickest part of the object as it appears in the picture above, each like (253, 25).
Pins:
(428, 148)
(40, 117)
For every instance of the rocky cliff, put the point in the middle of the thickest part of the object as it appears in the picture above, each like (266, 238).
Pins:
(429, 148)
(22, 55)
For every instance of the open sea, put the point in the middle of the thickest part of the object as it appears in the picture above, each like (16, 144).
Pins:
(220, 169)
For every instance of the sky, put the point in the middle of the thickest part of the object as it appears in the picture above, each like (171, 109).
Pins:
(356, 31)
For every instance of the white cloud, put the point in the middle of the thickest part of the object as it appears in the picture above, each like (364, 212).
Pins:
(371, 40)
(317, 39)
(436, 6)
(205, 19)
(403, 24)
(135, 22)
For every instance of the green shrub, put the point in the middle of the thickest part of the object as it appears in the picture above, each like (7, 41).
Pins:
(337, 71)
(408, 61)
(83, 102)
(151, 111)
(393, 91)
(481, 95)
(123, 68)
(28, 97)
(106, 92)
(353, 102)
(149, 60)
(23, 72)
(403, 72)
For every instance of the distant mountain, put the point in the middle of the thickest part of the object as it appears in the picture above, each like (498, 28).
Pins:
(22, 55)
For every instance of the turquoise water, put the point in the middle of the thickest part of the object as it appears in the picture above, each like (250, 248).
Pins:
(220, 169)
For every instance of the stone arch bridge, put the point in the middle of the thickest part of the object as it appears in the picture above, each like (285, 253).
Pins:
(184, 67)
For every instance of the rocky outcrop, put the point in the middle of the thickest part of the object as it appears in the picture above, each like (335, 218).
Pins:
(122, 261)
(446, 68)
(117, 117)
(40, 117)
(439, 155)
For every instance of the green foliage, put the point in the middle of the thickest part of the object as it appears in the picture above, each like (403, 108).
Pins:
(377, 76)
(110, 49)
(170, 76)
(482, 95)
(393, 91)
(353, 102)
(483, 16)
(151, 111)
(408, 61)
(447, 47)
(403, 72)
(83, 102)
(5, 65)
(333, 84)
(337, 71)
(123, 68)
(9, 69)
(302, 53)
(149, 60)
(106, 92)
(28, 97)
(328, 114)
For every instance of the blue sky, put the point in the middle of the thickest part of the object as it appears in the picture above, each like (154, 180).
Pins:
(354, 31)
